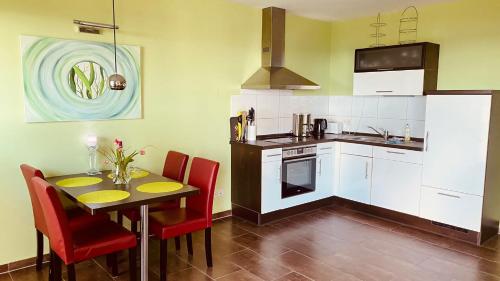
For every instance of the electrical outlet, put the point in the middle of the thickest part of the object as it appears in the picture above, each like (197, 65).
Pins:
(219, 193)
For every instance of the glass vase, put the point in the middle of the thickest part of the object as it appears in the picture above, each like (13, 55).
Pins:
(121, 174)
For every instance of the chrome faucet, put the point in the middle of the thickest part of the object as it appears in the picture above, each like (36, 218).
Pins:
(384, 133)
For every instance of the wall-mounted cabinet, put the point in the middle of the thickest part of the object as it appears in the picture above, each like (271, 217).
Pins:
(399, 70)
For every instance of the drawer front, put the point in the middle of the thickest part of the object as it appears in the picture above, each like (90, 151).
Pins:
(270, 155)
(325, 148)
(356, 149)
(401, 155)
(451, 208)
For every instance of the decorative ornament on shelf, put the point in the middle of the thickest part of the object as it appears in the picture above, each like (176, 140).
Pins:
(117, 156)
(116, 81)
(378, 35)
(408, 26)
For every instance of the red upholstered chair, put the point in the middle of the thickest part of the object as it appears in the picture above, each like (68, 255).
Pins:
(174, 168)
(77, 218)
(197, 215)
(72, 247)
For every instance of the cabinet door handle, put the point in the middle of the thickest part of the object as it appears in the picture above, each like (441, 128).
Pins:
(366, 170)
(384, 91)
(325, 148)
(273, 155)
(320, 167)
(395, 152)
(427, 141)
(449, 195)
(279, 173)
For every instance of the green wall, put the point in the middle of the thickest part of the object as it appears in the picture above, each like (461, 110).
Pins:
(467, 30)
(195, 54)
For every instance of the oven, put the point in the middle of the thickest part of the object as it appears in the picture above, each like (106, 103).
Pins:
(298, 171)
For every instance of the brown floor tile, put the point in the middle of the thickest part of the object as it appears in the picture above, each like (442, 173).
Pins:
(258, 265)
(293, 276)
(241, 275)
(5, 277)
(312, 268)
(30, 274)
(190, 274)
(263, 246)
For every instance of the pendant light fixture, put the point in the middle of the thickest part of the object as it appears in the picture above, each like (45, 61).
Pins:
(116, 81)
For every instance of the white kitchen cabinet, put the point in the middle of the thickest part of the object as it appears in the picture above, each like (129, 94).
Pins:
(452, 208)
(271, 181)
(355, 178)
(389, 83)
(396, 185)
(325, 171)
(456, 142)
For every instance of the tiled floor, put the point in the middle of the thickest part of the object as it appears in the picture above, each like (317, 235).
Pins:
(325, 244)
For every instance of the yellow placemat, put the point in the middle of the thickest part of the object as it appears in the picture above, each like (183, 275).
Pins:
(134, 174)
(159, 187)
(103, 196)
(79, 181)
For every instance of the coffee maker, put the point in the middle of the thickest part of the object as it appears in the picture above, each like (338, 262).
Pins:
(319, 127)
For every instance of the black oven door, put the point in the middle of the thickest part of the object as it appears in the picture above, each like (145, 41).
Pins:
(299, 176)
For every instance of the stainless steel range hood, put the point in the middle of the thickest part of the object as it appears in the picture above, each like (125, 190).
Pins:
(273, 74)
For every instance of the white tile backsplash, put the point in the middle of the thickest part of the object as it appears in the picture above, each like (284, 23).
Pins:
(274, 110)
(392, 107)
(370, 107)
(267, 105)
(342, 106)
(416, 108)
(285, 125)
(267, 126)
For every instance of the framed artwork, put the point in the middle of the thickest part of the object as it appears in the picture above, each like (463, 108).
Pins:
(67, 80)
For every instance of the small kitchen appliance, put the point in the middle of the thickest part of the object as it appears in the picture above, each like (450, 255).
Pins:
(334, 127)
(319, 127)
(302, 124)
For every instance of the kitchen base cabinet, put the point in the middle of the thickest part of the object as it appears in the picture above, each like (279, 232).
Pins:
(325, 169)
(396, 186)
(355, 177)
(271, 186)
(453, 208)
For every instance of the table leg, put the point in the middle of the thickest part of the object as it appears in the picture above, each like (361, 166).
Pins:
(144, 242)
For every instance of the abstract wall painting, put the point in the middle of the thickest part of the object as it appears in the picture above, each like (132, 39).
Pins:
(66, 80)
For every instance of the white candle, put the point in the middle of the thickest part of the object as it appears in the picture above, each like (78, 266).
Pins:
(92, 141)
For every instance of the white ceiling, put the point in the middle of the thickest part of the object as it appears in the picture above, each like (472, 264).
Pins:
(338, 9)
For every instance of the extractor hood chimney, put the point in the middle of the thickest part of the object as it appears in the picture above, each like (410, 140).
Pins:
(273, 74)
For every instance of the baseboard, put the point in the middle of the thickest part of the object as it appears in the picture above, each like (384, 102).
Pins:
(16, 265)
(222, 215)
(411, 221)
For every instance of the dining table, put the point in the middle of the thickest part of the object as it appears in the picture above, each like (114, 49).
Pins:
(98, 193)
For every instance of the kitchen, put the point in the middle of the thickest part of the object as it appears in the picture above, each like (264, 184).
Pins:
(346, 140)
(426, 173)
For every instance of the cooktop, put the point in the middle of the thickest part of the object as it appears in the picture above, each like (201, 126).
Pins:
(289, 140)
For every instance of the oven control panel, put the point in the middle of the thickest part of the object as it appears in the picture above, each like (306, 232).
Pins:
(299, 151)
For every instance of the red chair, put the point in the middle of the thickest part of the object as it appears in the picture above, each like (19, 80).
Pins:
(72, 247)
(197, 215)
(77, 218)
(174, 168)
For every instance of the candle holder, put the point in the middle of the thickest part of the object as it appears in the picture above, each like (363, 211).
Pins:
(93, 161)
(92, 149)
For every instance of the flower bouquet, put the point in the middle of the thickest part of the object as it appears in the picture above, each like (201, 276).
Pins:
(118, 157)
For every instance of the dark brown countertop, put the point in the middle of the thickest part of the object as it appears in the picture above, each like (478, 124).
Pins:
(359, 139)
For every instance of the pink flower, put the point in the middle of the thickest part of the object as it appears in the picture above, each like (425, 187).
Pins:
(118, 143)
(142, 152)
